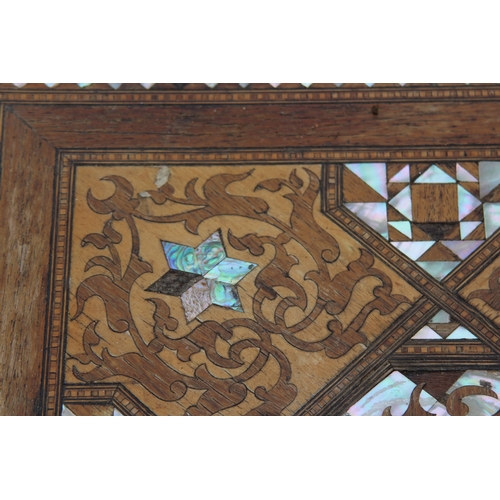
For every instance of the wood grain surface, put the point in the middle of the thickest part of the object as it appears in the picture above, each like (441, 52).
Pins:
(335, 125)
(26, 205)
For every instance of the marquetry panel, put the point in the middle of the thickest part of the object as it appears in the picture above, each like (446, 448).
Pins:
(312, 301)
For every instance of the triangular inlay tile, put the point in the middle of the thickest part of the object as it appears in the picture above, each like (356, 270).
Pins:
(402, 202)
(461, 333)
(357, 191)
(489, 176)
(475, 215)
(438, 270)
(434, 175)
(436, 231)
(467, 227)
(493, 196)
(463, 248)
(441, 317)
(438, 252)
(466, 202)
(463, 175)
(374, 214)
(413, 249)
(395, 235)
(478, 233)
(426, 333)
(402, 226)
(402, 176)
(374, 174)
(491, 218)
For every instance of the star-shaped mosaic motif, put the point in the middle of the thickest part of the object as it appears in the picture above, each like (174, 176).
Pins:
(437, 216)
(202, 276)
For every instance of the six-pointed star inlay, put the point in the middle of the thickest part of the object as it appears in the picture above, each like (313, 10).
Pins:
(202, 276)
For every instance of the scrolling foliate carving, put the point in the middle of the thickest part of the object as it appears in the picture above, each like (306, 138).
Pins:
(309, 300)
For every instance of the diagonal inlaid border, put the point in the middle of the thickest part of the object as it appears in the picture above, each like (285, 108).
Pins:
(439, 292)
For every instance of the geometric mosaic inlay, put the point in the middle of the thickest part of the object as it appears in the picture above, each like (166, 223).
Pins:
(443, 327)
(202, 276)
(436, 215)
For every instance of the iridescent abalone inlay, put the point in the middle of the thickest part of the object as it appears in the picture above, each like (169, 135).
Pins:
(434, 175)
(434, 330)
(181, 257)
(374, 174)
(210, 252)
(394, 391)
(480, 405)
(230, 270)
(202, 276)
(225, 295)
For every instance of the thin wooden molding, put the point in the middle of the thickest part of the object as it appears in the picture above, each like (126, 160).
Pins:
(112, 394)
(244, 96)
(299, 155)
(444, 354)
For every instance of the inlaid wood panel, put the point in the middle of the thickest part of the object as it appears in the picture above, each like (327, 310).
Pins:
(305, 301)
(314, 301)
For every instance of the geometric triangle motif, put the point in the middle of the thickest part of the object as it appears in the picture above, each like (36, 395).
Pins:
(466, 202)
(433, 214)
(491, 218)
(402, 202)
(467, 227)
(438, 270)
(402, 226)
(437, 329)
(374, 214)
(402, 176)
(438, 252)
(463, 248)
(434, 175)
(374, 174)
(463, 175)
(489, 176)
